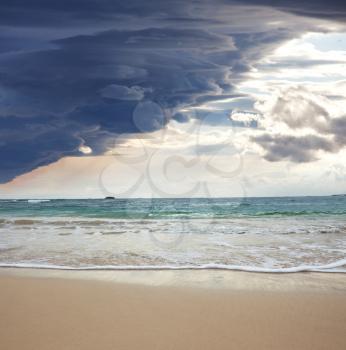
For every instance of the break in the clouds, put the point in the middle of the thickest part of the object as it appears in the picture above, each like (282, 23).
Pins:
(74, 75)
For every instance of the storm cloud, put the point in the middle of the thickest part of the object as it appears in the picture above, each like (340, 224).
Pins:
(83, 72)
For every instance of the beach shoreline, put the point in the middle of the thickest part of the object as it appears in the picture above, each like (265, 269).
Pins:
(171, 310)
(202, 279)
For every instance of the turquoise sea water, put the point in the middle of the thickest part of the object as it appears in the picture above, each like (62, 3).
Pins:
(172, 208)
(284, 234)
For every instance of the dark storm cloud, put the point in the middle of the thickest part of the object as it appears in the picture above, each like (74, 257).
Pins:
(84, 71)
(60, 13)
(120, 92)
(30, 143)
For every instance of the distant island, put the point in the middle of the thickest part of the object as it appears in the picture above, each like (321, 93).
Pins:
(109, 197)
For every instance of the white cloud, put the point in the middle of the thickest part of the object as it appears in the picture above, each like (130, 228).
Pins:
(300, 91)
(85, 149)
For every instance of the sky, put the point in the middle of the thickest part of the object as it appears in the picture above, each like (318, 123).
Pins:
(202, 98)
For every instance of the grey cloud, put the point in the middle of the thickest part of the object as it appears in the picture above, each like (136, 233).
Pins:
(180, 117)
(299, 109)
(335, 9)
(119, 73)
(338, 129)
(298, 149)
(149, 116)
(121, 92)
(296, 62)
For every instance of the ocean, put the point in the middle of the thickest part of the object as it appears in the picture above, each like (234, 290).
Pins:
(282, 234)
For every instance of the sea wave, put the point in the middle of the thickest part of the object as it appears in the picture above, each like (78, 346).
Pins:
(338, 266)
(33, 201)
(298, 213)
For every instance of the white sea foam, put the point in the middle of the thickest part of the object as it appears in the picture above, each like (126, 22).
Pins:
(331, 267)
(259, 245)
(33, 201)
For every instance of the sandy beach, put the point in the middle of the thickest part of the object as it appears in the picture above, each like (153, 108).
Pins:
(48, 310)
